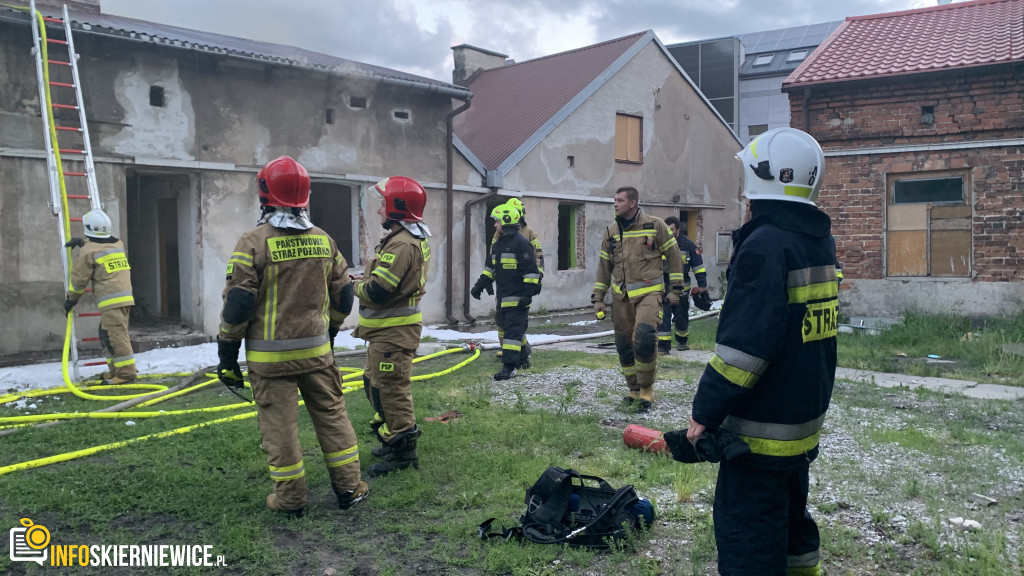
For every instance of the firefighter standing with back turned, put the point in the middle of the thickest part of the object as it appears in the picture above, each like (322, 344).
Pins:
(770, 380)
(680, 314)
(390, 320)
(287, 293)
(631, 265)
(101, 260)
(531, 237)
(513, 267)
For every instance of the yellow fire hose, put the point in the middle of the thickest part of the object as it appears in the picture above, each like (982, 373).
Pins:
(351, 374)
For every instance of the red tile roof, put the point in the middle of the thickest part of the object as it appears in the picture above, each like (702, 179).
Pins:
(511, 103)
(960, 35)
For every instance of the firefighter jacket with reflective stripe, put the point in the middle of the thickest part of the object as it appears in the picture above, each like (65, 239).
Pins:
(525, 231)
(631, 263)
(297, 278)
(691, 261)
(512, 266)
(105, 264)
(399, 269)
(771, 377)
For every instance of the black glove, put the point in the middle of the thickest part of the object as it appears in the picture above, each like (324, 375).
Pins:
(332, 332)
(536, 289)
(68, 305)
(228, 371)
(490, 290)
(712, 446)
(475, 292)
(74, 242)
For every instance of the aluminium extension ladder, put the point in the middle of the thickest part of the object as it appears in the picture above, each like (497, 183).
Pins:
(75, 171)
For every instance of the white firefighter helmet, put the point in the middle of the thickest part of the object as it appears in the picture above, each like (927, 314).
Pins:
(97, 224)
(783, 164)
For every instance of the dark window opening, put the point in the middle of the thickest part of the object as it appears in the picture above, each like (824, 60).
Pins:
(928, 190)
(330, 116)
(567, 236)
(156, 96)
(572, 161)
(357, 101)
(928, 115)
(401, 114)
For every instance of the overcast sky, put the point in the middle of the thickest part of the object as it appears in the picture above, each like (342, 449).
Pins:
(416, 35)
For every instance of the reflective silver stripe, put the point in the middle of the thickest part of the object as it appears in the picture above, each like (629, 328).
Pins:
(741, 360)
(288, 474)
(808, 276)
(371, 313)
(773, 431)
(804, 560)
(115, 295)
(107, 252)
(284, 345)
(630, 286)
(537, 276)
(508, 255)
(511, 300)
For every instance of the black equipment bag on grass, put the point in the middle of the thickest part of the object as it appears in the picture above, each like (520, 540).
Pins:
(564, 506)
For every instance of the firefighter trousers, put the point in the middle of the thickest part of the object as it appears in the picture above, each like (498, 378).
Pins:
(675, 321)
(762, 526)
(636, 340)
(116, 344)
(513, 323)
(277, 413)
(387, 382)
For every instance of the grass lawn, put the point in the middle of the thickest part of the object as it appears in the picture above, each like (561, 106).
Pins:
(896, 466)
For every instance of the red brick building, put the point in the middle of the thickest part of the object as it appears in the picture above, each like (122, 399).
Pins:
(921, 116)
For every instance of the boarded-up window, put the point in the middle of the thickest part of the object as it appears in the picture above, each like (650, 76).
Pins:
(629, 138)
(928, 227)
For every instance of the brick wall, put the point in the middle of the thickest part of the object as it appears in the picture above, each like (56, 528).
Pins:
(967, 106)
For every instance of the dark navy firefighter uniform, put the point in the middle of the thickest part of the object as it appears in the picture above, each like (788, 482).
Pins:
(679, 315)
(512, 267)
(770, 381)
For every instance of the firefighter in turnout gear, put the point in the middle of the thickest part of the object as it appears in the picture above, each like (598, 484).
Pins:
(286, 295)
(513, 268)
(102, 261)
(534, 241)
(770, 380)
(391, 321)
(680, 315)
(631, 265)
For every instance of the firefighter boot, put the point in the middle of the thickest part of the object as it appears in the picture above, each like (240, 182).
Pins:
(646, 399)
(109, 374)
(524, 357)
(274, 504)
(402, 453)
(349, 498)
(634, 391)
(507, 371)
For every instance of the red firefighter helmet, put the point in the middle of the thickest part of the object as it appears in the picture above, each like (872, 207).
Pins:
(283, 182)
(404, 198)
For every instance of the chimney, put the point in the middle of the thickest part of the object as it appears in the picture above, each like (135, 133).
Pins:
(469, 60)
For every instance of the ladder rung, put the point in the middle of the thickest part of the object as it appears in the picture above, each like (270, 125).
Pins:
(95, 363)
(85, 314)
(75, 174)
(90, 339)
(77, 197)
(65, 106)
(52, 19)
(64, 84)
(75, 219)
(55, 41)
(71, 151)
(68, 128)
(61, 62)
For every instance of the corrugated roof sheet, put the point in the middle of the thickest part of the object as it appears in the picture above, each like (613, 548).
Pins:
(90, 21)
(513, 102)
(961, 35)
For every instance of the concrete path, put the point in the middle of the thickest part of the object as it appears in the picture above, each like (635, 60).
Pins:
(881, 379)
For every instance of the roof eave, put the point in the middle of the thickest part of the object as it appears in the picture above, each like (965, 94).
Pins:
(792, 86)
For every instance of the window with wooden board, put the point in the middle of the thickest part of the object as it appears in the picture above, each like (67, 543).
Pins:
(928, 225)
